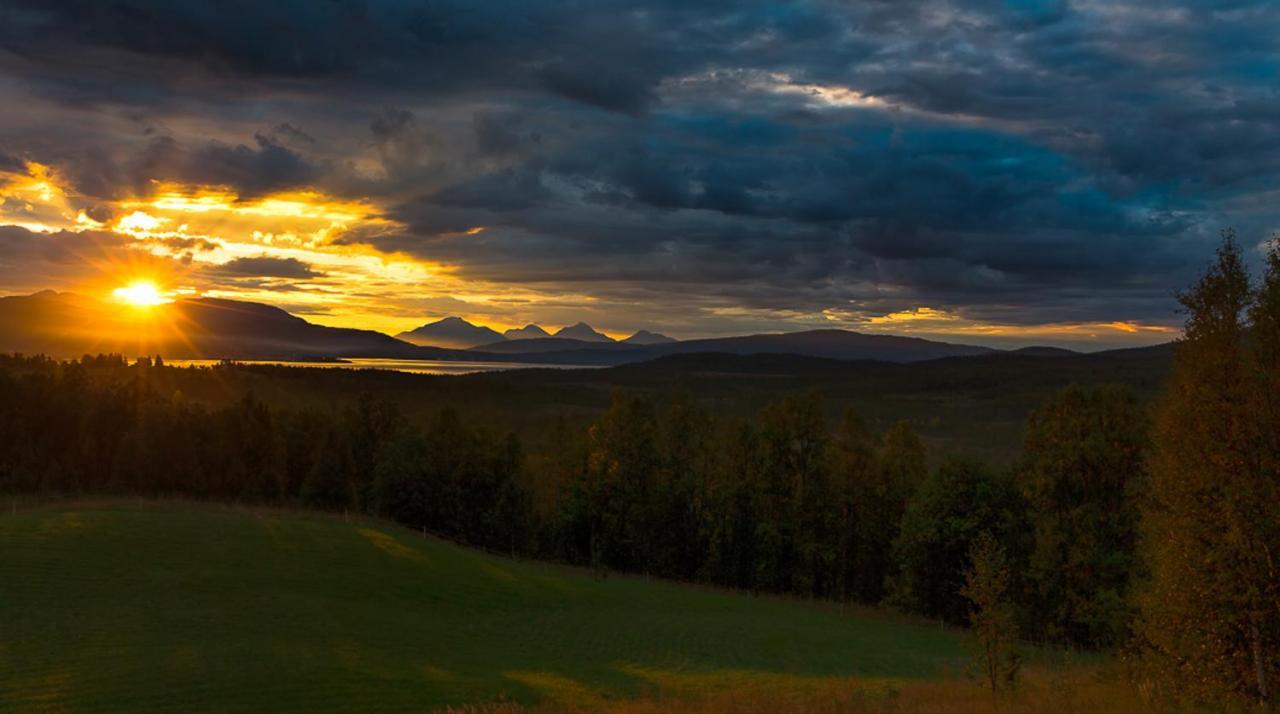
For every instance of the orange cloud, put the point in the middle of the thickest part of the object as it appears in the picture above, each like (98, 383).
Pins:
(928, 320)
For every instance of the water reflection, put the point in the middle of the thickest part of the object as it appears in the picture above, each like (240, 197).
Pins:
(414, 366)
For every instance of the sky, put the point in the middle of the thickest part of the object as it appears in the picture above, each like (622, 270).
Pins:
(994, 172)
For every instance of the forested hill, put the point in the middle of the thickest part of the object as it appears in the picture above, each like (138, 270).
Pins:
(691, 481)
(973, 404)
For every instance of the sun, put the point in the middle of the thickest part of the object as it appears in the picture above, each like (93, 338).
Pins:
(141, 293)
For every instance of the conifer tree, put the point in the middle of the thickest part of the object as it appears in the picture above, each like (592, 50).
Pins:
(1211, 613)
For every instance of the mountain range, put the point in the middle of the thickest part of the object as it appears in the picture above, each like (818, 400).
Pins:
(68, 325)
(457, 333)
(453, 332)
(528, 332)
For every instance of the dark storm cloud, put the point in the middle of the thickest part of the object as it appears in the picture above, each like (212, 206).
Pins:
(18, 245)
(31, 261)
(263, 168)
(1021, 160)
(440, 46)
(267, 267)
(9, 162)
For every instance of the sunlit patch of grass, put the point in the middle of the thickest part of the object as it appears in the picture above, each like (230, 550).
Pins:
(558, 688)
(388, 544)
(438, 673)
(497, 572)
(778, 685)
(64, 525)
(136, 606)
(1074, 690)
(44, 691)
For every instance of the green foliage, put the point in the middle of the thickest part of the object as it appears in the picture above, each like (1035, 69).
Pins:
(622, 468)
(1210, 619)
(730, 512)
(959, 501)
(99, 426)
(1082, 475)
(854, 505)
(792, 518)
(778, 505)
(871, 486)
(778, 502)
(992, 615)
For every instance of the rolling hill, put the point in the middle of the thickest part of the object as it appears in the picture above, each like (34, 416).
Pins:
(831, 344)
(148, 607)
(69, 325)
(828, 344)
(645, 337)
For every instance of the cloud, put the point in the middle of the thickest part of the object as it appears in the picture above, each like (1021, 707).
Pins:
(253, 171)
(267, 267)
(67, 260)
(11, 163)
(718, 163)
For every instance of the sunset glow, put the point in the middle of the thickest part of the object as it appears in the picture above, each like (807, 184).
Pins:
(754, 188)
(952, 321)
(141, 293)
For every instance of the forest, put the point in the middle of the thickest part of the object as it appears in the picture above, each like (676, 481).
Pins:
(1147, 532)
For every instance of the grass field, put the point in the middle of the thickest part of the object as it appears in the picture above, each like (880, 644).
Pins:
(140, 607)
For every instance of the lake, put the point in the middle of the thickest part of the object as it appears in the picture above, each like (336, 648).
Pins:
(414, 366)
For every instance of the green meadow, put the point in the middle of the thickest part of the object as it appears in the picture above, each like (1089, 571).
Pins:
(146, 607)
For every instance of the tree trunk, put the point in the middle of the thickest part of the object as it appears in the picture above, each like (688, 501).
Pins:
(1260, 665)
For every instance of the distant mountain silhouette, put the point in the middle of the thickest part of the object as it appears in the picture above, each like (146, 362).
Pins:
(528, 332)
(582, 331)
(645, 337)
(451, 332)
(827, 344)
(831, 344)
(69, 325)
(1041, 351)
(552, 345)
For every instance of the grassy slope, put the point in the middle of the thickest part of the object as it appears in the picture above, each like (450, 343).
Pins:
(116, 608)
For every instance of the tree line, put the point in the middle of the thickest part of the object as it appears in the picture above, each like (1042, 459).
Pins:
(780, 503)
(1114, 529)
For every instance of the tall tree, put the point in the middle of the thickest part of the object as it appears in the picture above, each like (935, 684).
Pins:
(853, 470)
(960, 500)
(622, 465)
(735, 496)
(1081, 475)
(678, 500)
(992, 613)
(1210, 616)
(899, 471)
(794, 527)
(1260, 505)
